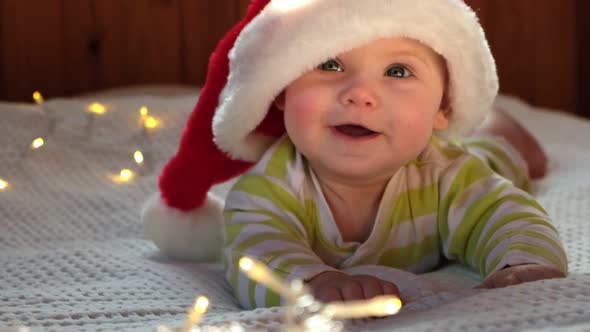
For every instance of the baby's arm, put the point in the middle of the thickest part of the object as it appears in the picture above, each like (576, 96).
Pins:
(264, 220)
(491, 225)
(513, 275)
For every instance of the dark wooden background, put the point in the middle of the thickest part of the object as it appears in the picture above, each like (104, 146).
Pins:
(65, 47)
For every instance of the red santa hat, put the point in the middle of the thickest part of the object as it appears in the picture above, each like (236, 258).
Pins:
(235, 121)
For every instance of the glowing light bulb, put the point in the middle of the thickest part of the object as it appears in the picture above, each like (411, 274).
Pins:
(392, 306)
(379, 306)
(38, 97)
(257, 271)
(138, 156)
(151, 122)
(246, 263)
(143, 111)
(202, 304)
(97, 108)
(37, 143)
(196, 313)
(3, 184)
(125, 175)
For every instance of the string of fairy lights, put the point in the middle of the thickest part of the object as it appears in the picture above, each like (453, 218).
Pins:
(148, 123)
(303, 313)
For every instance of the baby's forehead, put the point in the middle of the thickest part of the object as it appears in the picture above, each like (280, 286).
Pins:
(398, 45)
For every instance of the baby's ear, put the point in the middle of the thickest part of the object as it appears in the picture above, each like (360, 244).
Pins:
(445, 105)
(444, 114)
(279, 101)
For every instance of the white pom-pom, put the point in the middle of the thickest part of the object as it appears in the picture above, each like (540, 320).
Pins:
(194, 235)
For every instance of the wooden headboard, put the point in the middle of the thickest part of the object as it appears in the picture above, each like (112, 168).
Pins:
(65, 47)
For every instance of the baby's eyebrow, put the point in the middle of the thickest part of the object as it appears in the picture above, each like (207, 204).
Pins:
(408, 54)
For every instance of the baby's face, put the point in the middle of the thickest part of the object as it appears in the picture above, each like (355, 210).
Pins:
(369, 111)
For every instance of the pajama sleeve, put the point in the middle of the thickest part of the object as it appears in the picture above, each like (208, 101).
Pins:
(500, 156)
(485, 221)
(264, 220)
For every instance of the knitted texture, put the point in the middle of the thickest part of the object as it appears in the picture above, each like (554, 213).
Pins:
(73, 258)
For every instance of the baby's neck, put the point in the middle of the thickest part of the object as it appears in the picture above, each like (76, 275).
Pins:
(354, 207)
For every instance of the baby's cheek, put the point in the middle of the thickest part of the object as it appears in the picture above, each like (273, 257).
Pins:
(413, 131)
(302, 111)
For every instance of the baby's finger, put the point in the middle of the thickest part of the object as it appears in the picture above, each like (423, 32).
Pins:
(532, 273)
(493, 282)
(371, 288)
(352, 291)
(552, 273)
(506, 280)
(329, 294)
(486, 284)
(389, 288)
(526, 274)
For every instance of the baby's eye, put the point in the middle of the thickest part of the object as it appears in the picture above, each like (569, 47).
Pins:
(398, 71)
(330, 65)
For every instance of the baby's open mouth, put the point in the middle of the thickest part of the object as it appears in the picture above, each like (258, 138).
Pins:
(354, 130)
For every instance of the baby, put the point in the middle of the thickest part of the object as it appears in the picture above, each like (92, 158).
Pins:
(370, 168)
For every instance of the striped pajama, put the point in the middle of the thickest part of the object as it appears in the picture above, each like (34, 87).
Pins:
(464, 201)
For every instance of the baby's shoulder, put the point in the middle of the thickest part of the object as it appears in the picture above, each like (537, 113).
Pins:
(278, 159)
(281, 165)
(442, 153)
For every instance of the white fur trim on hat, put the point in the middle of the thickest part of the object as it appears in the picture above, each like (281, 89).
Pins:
(291, 37)
(195, 235)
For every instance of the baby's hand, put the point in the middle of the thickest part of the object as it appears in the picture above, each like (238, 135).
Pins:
(337, 286)
(513, 275)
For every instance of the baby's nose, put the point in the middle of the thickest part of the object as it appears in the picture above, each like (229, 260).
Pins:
(359, 95)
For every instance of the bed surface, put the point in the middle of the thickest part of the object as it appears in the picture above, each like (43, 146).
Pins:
(73, 257)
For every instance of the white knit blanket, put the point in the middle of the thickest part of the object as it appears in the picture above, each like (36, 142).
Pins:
(72, 255)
